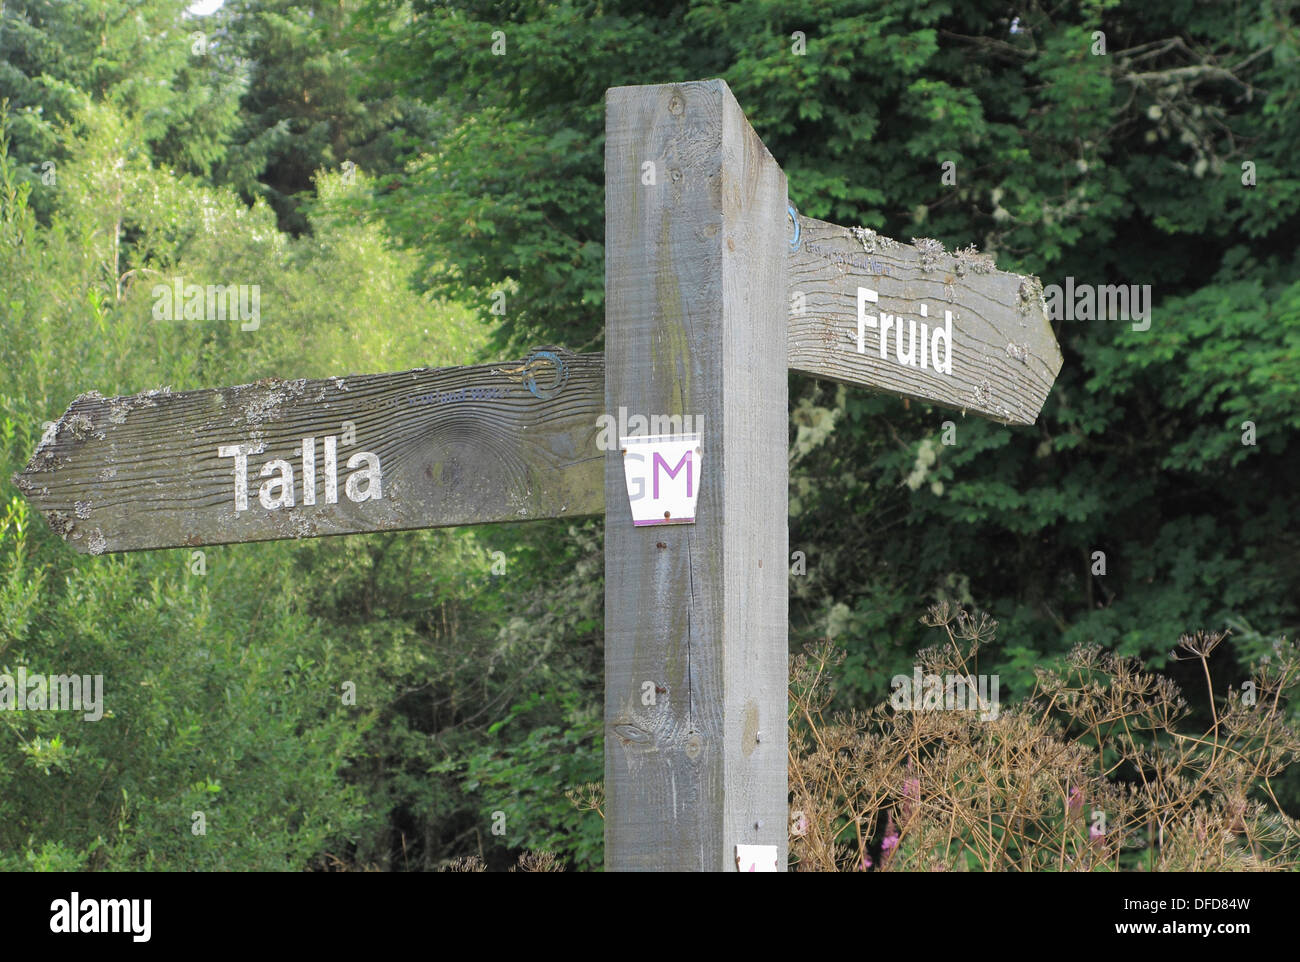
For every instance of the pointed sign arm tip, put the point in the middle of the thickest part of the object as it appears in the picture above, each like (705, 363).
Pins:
(917, 320)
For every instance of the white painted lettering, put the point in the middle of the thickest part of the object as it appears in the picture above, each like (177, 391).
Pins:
(365, 483)
(308, 471)
(331, 470)
(921, 350)
(284, 482)
(371, 474)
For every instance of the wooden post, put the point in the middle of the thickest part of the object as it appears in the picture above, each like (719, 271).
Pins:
(696, 614)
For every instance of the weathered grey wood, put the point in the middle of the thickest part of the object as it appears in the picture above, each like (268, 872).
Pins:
(1005, 356)
(695, 325)
(130, 473)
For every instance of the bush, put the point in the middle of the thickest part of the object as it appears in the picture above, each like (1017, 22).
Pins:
(1096, 770)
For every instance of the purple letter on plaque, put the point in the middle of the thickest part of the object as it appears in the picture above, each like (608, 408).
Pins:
(672, 472)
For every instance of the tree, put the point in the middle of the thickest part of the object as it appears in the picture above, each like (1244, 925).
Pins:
(164, 73)
(1114, 159)
(309, 103)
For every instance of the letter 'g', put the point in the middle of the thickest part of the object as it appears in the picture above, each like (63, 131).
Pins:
(637, 478)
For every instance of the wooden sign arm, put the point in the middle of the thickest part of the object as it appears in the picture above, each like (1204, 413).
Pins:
(919, 321)
(310, 458)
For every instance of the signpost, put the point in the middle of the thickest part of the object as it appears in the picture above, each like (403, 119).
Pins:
(715, 287)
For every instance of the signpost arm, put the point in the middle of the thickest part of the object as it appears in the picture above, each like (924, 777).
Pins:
(919, 321)
(287, 459)
(696, 614)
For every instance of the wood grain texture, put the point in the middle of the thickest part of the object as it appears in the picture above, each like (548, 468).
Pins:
(1005, 356)
(503, 442)
(695, 325)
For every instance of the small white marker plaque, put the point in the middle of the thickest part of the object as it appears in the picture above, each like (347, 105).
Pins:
(756, 858)
(663, 475)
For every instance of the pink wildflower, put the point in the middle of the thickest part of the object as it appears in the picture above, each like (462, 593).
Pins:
(911, 797)
(890, 842)
(1074, 805)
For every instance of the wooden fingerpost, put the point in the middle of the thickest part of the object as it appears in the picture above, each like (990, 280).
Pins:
(699, 278)
(696, 613)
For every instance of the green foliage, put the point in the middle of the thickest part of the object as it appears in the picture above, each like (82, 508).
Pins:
(309, 103)
(479, 169)
(510, 191)
(140, 58)
(224, 689)
(521, 782)
(206, 695)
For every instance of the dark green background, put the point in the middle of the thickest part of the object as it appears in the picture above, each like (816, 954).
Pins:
(476, 173)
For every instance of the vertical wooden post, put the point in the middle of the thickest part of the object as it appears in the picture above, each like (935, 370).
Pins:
(695, 288)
